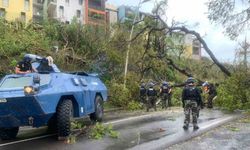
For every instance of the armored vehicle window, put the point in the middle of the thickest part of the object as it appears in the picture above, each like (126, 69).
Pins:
(16, 82)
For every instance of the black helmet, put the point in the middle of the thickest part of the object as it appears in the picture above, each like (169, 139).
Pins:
(27, 59)
(190, 80)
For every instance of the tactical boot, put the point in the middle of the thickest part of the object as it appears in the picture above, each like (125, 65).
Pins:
(185, 127)
(196, 127)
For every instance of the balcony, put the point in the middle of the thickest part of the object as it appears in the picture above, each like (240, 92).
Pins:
(97, 4)
(96, 21)
(38, 3)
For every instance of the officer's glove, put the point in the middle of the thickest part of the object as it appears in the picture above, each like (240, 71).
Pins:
(202, 106)
(183, 105)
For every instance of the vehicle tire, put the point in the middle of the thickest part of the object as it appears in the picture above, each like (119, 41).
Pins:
(8, 133)
(98, 114)
(64, 117)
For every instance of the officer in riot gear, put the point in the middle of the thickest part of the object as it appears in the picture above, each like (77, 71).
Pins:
(24, 66)
(151, 96)
(165, 93)
(191, 100)
(143, 93)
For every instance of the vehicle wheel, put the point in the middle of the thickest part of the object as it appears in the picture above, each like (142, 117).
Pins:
(64, 117)
(98, 114)
(8, 133)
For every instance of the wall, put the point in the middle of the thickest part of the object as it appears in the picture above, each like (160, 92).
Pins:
(70, 10)
(13, 11)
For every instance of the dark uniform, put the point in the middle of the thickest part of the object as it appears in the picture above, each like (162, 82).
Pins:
(151, 97)
(165, 95)
(211, 94)
(143, 93)
(191, 100)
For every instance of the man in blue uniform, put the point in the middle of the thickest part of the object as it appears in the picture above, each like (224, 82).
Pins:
(191, 100)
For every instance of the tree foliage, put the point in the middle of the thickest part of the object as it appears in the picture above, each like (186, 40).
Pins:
(234, 15)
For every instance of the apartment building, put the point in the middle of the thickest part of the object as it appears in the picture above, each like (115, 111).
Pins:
(95, 12)
(192, 47)
(65, 10)
(127, 13)
(12, 10)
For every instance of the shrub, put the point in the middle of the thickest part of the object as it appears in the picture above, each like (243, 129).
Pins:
(234, 93)
(176, 97)
(119, 96)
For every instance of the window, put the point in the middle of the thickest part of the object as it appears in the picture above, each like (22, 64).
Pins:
(27, 5)
(61, 11)
(196, 50)
(16, 82)
(5, 3)
(80, 2)
(20, 82)
(67, 2)
(2, 13)
(23, 16)
(196, 47)
(78, 13)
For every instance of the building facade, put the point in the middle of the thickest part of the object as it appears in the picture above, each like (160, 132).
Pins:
(187, 44)
(192, 47)
(12, 10)
(127, 13)
(111, 14)
(38, 10)
(95, 12)
(65, 10)
(84, 11)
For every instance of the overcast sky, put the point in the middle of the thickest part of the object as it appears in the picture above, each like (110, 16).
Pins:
(193, 12)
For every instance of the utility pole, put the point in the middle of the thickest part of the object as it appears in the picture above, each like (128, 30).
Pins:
(130, 38)
(45, 10)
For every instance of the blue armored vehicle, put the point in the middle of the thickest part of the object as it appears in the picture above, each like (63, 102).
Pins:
(50, 98)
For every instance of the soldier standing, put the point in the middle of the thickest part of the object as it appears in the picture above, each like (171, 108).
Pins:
(143, 93)
(191, 99)
(165, 92)
(151, 96)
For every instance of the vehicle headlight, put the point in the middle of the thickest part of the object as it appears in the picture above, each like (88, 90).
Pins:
(29, 90)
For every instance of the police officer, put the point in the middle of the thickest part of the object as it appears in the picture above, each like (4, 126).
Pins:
(143, 93)
(191, 99)
(24, 66)
(151, 96)
(165, 92)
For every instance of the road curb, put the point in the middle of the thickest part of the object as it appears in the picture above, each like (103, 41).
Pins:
(168, 141)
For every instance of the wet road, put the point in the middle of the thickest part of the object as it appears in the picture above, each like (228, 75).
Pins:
(231, 136)
(146, 132)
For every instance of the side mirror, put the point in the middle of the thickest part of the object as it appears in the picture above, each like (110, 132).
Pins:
(36, 79)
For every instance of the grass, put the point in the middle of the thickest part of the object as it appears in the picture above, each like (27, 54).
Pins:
(233, 128)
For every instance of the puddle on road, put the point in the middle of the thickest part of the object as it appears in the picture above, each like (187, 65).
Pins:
(139, 138)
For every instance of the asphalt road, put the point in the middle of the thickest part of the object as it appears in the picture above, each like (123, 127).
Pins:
(155, 130)
(231, 136)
